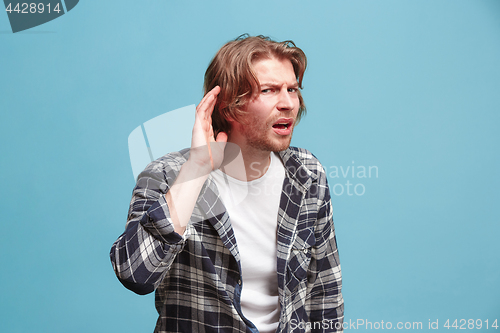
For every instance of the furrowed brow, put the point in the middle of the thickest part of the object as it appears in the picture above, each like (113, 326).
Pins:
(278, 85)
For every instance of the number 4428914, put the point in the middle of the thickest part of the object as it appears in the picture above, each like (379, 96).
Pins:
(31, 8)
(471, 324)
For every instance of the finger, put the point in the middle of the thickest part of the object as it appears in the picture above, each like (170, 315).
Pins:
(214, 92)
(202, 105)
(221, 137)
(211, 134)
(210, 109)
(206, 108)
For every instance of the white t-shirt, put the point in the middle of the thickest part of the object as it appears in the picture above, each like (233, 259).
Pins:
(253, 212)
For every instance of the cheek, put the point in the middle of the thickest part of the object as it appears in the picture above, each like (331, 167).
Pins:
(297, 105)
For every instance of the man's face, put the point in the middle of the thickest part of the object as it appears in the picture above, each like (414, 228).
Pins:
(271, 113)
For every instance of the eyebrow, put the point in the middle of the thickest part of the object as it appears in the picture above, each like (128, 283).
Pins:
(276, 84)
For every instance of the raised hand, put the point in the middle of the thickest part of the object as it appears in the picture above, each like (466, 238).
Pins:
(206, 155)
(207, 151)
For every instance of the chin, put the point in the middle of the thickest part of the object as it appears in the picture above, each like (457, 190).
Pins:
(270, 143)
(282, 145)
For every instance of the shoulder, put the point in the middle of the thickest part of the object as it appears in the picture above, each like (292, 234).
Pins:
(303, 158)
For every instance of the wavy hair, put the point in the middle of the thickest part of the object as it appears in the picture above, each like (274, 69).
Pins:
(231, 69)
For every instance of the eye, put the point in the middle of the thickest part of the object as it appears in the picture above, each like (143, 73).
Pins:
(292, 90)
(266, 91)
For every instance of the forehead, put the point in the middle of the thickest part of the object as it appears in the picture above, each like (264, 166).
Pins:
(272, 70)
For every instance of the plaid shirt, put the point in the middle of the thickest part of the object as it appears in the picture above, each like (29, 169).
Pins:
(197, 276)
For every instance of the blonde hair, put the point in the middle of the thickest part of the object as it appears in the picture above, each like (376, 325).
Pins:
(231, 69)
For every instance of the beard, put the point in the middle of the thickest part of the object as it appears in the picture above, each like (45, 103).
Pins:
(262, 137)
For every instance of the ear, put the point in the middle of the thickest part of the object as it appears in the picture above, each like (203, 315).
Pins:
(232, 120)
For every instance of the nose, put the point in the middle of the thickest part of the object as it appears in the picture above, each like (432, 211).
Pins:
(285, 102)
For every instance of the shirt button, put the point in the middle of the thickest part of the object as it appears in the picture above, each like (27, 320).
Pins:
(239, 282)
(305, 251)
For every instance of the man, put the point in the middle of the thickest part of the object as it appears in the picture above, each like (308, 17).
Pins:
(223, 250)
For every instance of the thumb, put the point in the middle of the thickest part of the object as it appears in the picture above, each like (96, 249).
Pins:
(221, 137)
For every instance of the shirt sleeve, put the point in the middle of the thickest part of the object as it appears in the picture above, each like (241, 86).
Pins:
(326, 302)
(143, 254)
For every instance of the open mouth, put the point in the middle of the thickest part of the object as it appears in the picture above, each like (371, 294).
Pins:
(282, 125)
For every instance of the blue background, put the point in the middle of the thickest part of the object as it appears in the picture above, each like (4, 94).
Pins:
(411, 87)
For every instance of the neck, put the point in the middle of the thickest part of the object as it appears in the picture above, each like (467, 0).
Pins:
(249, 165)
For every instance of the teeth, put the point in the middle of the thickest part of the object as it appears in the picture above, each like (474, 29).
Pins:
(285, 125)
